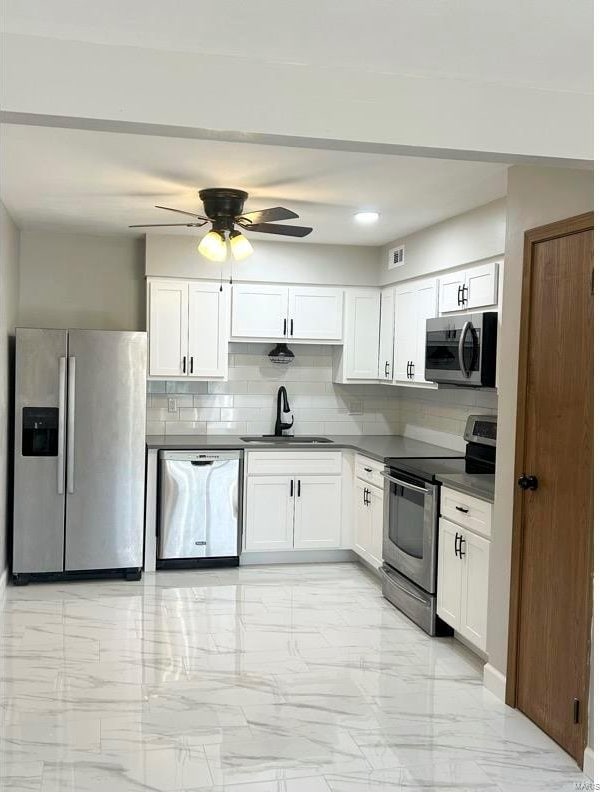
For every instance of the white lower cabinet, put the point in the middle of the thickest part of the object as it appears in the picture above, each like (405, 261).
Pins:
(368, 522)
(270, 513)
(318, 513)
(463, 572)
(301, 509)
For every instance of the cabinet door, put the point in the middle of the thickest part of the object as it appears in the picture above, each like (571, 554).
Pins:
(449, 286)
(269, 513)
(404, 332)
(481, 286)
(449, 585)
(207, 330)
(425, 302)
(475, 563)
(259, 311)
(362, 521)
(315, 313)
(376, 512)
(361, 334)
(168, 328)
(386, 335)
(318, 517)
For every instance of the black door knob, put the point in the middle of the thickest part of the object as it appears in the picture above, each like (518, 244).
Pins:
(528, 482)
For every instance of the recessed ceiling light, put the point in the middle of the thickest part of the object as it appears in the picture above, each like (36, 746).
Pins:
(366, 217)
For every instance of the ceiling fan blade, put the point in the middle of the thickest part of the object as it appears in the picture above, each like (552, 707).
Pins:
(284, 230)
(164, 225)
(180, 211)
(269, 215)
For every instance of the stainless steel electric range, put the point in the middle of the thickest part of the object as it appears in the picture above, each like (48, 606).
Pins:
(411, 513)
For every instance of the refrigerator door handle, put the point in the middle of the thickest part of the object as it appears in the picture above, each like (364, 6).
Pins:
(62, 390)
(71, 427)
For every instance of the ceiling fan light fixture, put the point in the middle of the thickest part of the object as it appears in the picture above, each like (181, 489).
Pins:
(213, 246)
(240, 247)
(366, 218)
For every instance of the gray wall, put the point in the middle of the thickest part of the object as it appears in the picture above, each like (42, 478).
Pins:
(283, 262)
(473, 236)
(9, 284)
(81, 280)
(535, 196)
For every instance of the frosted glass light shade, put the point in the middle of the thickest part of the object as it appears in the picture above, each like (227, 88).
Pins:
(213, 246)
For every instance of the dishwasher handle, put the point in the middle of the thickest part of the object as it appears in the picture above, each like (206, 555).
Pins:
(197, 463)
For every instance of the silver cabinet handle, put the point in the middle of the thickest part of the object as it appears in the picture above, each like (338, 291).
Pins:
(404, 483)
(71, 426)
(461, 349)
(62, 392)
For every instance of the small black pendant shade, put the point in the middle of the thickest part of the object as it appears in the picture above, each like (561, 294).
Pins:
(281, 353)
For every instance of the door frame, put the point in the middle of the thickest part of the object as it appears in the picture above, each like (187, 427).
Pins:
(571, 225)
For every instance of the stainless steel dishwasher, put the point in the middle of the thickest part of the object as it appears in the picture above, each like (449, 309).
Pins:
(200, 508)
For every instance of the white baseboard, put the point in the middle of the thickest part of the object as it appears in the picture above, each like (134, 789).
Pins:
(588, 762)
(324, 556)
(3, 583)
(494, 681)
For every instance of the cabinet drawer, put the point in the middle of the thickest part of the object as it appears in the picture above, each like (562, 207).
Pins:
(368, 470)
(467, 511)
(293, 463)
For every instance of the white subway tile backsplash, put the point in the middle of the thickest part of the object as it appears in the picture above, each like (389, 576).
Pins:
(246, 403)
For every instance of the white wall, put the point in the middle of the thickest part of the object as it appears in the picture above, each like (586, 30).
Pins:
(9, 258)
(535, 196)
(464, 239)
(81, 280)
(282, 262)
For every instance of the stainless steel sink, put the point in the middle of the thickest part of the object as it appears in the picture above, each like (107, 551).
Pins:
(296, 440)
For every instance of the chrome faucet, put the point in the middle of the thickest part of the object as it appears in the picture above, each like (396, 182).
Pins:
(283, 406)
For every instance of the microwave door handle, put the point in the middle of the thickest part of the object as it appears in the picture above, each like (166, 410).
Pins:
(404, 484)
(461, 349)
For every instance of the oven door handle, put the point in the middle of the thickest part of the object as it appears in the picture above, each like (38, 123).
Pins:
(468, 326)
(401, 483)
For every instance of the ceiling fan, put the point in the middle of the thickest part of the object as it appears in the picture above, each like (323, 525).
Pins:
(224, 209)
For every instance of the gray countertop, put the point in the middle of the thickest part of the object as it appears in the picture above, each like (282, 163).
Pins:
(480, 485)
(378, 447)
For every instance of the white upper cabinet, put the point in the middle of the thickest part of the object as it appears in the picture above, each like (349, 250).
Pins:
(315, 313)
(386, 335)
(208, 322)
(415, 302)
(168, 327)
(187, 324)
(259, 311)
(303, 313)
(475, 287)
(360, 354)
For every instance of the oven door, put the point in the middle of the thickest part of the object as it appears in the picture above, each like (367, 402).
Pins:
(453, 350)
(411, 508)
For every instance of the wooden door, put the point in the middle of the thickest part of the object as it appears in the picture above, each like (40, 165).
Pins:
(386, 335)
(168, 329)
(270, 513)
(449, 583)
(474, 596)
(207, 330)
(259, 311)
(318, 517)
(316, 313)
(550, 616)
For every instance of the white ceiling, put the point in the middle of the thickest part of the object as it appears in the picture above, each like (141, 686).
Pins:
(544, 44)
(100, 182)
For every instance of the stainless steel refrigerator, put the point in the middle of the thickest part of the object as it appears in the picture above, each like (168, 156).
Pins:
(80, 407)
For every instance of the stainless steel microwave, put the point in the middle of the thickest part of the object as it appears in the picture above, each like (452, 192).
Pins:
(461, 350)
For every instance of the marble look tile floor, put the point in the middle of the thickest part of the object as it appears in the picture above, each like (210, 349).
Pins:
(264, 679)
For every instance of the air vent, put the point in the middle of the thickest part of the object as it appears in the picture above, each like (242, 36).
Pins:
(396, 257)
